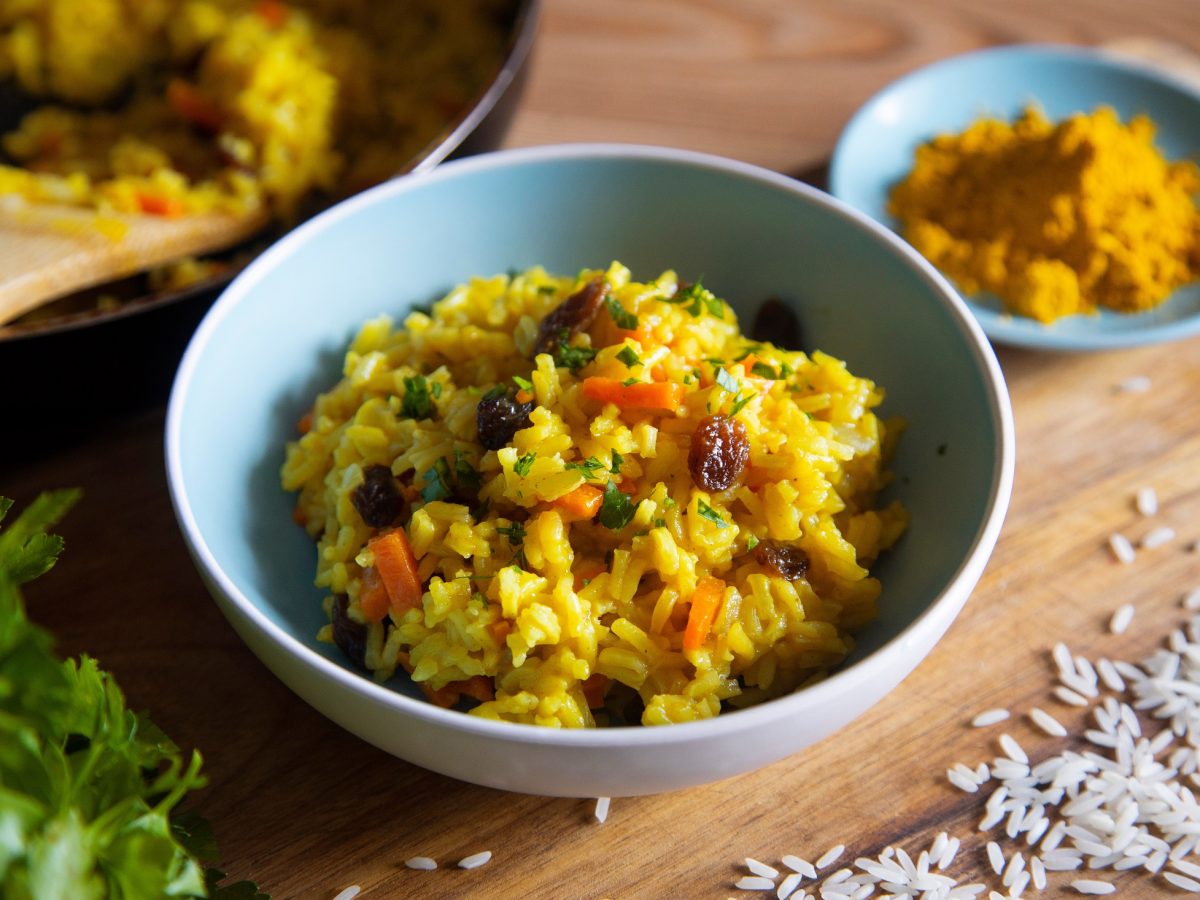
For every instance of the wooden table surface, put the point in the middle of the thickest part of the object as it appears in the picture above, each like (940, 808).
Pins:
(306, 809)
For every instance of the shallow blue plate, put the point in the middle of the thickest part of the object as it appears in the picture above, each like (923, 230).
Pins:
(876, 150)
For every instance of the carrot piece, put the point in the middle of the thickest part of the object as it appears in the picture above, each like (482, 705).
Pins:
(272, 12)
(373, 597)
(524, 396)
(397, 570)
(446, 696)
(304, 426)
(705, 602)
(500, 629)
(658, 373)
(639, 395)
(478, 687)
(593, 690)
(157, 205)
(192, 105)
(580, 504)
(298, 516)
(587, 570)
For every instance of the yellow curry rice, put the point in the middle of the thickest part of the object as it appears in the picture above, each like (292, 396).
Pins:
(590, 570)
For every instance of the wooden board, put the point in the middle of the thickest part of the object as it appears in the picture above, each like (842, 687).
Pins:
(306, 809)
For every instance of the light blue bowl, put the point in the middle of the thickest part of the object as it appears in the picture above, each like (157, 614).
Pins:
(876, 150)
(277, 336)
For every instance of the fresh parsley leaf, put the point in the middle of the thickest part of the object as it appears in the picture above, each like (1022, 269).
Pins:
(621, 317)
(762, 370)
(437, 482)
(416, 403)
(750, 348)
(588, 467)
(524, 464)
(628, 381)
(660, 523)
(739, 402)
(523, 383)
(727, 381)
(573, 358)
(711, 514)
(629, 357)
(786, 371)
(617, 461)
(435, 388)
(466, 476)
(751, 542)
(616, 509)
(515, 532)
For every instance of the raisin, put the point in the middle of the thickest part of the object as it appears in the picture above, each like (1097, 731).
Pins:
(498, 417)
(378, 498)
(786, 560)
(776, 323)
(350, 636)
(719, 452)
(571, 316)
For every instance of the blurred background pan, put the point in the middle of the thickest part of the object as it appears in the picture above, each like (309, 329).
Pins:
(64, 373)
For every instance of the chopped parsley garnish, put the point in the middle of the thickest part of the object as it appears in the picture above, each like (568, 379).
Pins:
(435, 388)
(514, 532)
(628, 381)
(621, 317)
(786, 371)
(660, 523)
(416, 403)
(629, 357)
(466, 476)
(547, 289)
(617, 461)
(437, 482)
(616, 509)
(711, 514)
(739, 402)
(524, 464)
(523, 383)
(588, 467)
(762, 370)
(727, 381)
(750, 348)
(573, 358)
(697, 299)
(751, 542)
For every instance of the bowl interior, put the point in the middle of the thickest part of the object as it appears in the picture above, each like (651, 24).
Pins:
(278, 335)
(876, 150)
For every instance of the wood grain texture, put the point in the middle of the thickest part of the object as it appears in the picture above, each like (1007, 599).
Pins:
(306, 809)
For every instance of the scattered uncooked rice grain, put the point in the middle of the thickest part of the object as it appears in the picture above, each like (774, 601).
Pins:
(1121, 548)
(1191, 600)
(349, 893)
(989, 717)
(602, 804)
(760, 868)
(754, 883)
(1070, 697)
(422, 863)
(1182, 881)
(475, 860)
(800, 866)
(1121, 618)
(1010, 746)
(1137, 384)
(1090, 886)
(1147, 501)
(788, 886)
(995, 857)
(1158, 537)
(830, 856)
(1047, 722)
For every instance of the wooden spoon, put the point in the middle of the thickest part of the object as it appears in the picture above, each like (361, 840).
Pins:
(48, 251)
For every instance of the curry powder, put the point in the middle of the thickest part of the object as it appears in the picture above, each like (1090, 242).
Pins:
(1055, 219)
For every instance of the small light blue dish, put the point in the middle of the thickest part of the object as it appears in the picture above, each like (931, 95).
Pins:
(876, 150)
(278, 335)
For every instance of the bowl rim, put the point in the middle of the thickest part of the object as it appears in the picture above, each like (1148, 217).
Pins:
(938, 614)
(1004, 327)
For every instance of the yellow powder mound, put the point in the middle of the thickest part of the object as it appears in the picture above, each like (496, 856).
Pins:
(1056, 219)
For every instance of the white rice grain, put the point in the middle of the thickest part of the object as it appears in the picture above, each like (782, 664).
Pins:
(761, 868)
(800, 866)
(1070, 697)
(1121, 618)
(1158, 537)
(1121, 548)
(1191, 600)
(475, 860)
(602, 804)
(421, 863)
(995, 857)
(1146, 501)
(1135, 384)
(1183, 882)
(1089, 886)
(961, 781)
(830, 856)
(1038, 871)
(1047, 722)
(788, 886)
(348, 893)
(1012, 749)
(989, 717)
(1110, 676)
(754, 883)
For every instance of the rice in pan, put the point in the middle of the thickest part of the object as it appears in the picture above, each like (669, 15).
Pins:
(581, 500)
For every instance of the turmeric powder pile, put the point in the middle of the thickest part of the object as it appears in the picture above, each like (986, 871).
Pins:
(1055, 219)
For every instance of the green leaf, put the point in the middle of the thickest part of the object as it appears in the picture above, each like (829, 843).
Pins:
(629, 357)
(466, 476)
(573, 358)
(588, 467)
(739, 403)
(437, 486)
(524, 464)
(727, 381)
(621, 317)
(523, 383)
(617, 461)
(616, 509)
(416, 403)
(711, 514)
(26, 550)
(762, 370)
